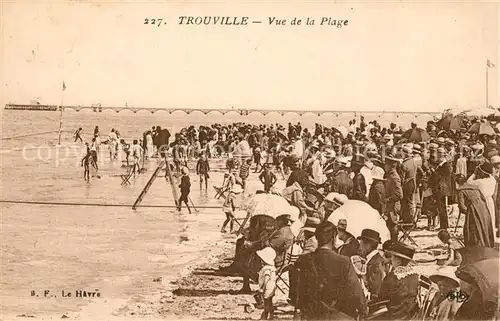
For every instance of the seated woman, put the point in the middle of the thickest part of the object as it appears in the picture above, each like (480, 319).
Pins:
(400, 286)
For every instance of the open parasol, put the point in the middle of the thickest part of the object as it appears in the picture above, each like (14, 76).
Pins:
(359, 216)
(416, 135)
(342, 130)
(450, 122)
(269, 205)
(482, 128)
(481, 112)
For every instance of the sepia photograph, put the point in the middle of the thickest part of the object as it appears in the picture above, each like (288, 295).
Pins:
(241, 160)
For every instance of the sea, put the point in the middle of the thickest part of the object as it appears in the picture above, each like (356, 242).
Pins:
(105, 247)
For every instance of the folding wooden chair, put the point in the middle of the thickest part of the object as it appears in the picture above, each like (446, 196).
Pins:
(407, 228)
(426, 292)
(292, 255)
(221, 190)
(126, 177)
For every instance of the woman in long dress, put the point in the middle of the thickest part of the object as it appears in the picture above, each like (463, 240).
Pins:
(149, 144)
(478, 229)
(484, 179)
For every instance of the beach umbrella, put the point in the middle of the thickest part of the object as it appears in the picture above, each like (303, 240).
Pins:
(342, 130)
(481, 112)
(482, 128)
(360, 215)
(450, 122)
(484, 274)
(416, 135)
(269, 205)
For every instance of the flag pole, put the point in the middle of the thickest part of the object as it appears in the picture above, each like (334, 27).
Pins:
(61, 114)
(487, 84)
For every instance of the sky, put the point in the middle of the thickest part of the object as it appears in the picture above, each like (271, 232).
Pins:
(392, 56)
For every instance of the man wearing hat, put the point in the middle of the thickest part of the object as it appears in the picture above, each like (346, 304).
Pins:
(394, 193)
(441, 184)
(400, 286)
(310, 244)
(330, 290)
(331, 202)
(350, 247)
(359, 191)
(281, 239)
(298, 174)
(408, 183)
(341, 182)
(377, 198)
(375, 272)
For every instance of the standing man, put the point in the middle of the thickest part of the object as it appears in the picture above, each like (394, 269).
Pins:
(440, 183)
(394, 193)
(408, 181)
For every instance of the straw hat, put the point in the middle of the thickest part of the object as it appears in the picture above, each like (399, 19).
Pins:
(495, 160)
(378, 173)
(311, 224)
(402, 250)
(184, 170)
(446, 275)
(267, 255)
(330, 153)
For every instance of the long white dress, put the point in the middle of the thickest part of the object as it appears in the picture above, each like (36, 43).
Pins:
(149, 144)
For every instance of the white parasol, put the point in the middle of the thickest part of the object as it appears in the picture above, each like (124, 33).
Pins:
(359, 216)
(270, 205)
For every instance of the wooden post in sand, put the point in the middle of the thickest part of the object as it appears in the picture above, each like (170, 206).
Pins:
(171, 179)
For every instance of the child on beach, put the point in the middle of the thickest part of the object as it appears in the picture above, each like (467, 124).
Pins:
(267, 281)
(185, 187)
(245, 172)
(202, 169)
(137, 152)
(257, 159)
(267, 178)
(229, 207)
(86, 160)
(77, 135)
(453, 258)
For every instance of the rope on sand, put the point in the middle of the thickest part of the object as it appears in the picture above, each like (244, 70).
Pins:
(98, 204)
(36, 134)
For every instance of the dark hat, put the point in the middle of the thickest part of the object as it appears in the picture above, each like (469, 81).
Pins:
(486, 168)
(402, 250)
(370, 235)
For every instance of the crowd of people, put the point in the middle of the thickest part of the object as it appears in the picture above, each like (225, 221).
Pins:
(402, 174)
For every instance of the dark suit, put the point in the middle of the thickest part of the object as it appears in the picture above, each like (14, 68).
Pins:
(359, 188)
(375, 274)
(329, 287)
(408, 181)
(377, 197)
(394, 193)
(441, 185)
(342, 183)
